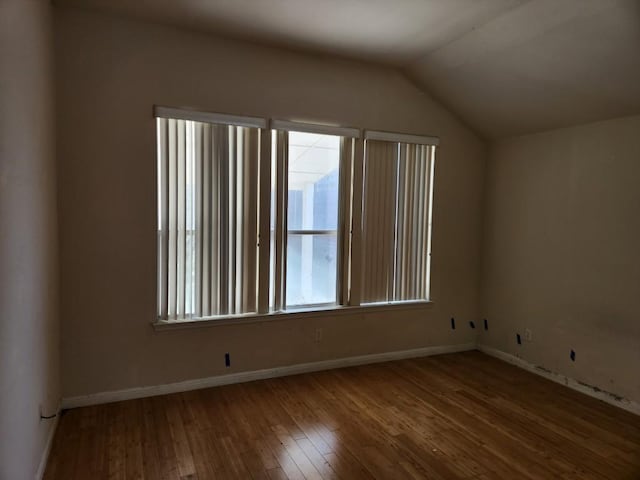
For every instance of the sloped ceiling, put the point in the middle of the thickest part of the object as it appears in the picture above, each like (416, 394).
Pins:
(546, 64)
(504, 66)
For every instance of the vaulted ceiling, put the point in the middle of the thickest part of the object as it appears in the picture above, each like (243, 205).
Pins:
(546, 64)
(505, 67)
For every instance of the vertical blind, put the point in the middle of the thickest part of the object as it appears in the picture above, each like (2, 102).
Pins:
(396, 221)
(208, 218)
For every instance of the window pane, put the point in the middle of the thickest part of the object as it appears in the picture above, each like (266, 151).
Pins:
(311, 269)
(313, 181)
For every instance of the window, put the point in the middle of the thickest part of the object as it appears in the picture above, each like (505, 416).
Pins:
(312, 190)
(208, 218)
(253, 220)
(312, 218)
(396, 240)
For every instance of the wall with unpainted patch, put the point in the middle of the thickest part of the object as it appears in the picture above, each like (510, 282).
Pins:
(561, 252)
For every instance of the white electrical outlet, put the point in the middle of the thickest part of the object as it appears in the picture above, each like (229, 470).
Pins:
(528, 336)
(318, 335)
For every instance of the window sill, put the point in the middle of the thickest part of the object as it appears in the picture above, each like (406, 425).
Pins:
(163, 325)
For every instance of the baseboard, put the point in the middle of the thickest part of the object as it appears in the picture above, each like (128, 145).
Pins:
(47, 447)
(572, 383)
(150, 391)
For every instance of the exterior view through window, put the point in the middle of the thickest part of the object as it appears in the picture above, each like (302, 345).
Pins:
(312, 218)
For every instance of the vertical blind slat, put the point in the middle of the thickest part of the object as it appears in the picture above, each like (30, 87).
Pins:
(429, 226)
(198, 224)
(250, 218)
(216, 220)
(407, 272)
(206, 220)
(163, 226)
(344, 216)
(399, 222)
(173, 219)
(225, 235)
(373, 224)
(189, 254)
(356, 277)
(370, 233)
(180, 154)
(422, 185)
(282, 142)
(264, 235)
(417, 270)
(233, 209)
(390, 212)
(235, 251)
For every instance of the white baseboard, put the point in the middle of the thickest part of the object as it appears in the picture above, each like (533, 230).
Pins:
(150, 391)
(47, 447)
(572, 383)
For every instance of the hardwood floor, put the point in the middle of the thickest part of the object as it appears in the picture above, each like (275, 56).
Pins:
(459, 416)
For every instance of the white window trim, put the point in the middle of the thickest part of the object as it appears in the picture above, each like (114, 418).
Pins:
(290, 314)
(287, 125)
(209, 117)
(401, 138)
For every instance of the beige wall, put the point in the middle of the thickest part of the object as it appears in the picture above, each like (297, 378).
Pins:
(562, 241)
(110, 72)
(29, 354)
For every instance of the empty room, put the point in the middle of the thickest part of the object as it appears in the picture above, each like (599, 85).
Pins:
(320, 239)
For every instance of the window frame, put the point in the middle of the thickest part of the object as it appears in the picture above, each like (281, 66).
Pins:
(349, 228)
(349, 136)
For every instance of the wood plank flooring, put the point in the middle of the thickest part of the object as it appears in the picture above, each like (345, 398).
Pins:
(459, 416)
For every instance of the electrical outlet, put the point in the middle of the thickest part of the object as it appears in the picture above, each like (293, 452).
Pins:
(528, 335)
(318, 335)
